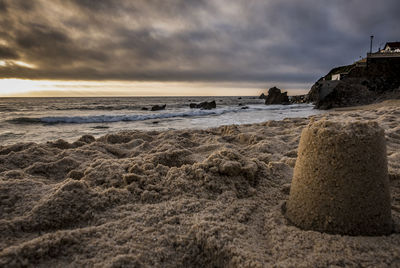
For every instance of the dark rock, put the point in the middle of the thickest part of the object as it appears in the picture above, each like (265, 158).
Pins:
(275, 96)
(344, 93)
(361, 85)
(321, 89)
(240, 104)
(262, 96)
(244, 107)
(239, 98)
(204, 105)
(158, 107)
(145, 109)
(298, 99)
(208, 105)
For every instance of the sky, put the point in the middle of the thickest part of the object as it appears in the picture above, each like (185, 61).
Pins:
(183, 47)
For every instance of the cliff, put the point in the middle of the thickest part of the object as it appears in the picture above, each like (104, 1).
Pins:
(375, 80)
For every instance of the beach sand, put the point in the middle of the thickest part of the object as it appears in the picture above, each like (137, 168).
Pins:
(184, 198)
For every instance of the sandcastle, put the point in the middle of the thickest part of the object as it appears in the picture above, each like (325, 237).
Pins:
(340, 183)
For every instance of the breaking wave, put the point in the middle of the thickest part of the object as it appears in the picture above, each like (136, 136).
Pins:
(152, 116)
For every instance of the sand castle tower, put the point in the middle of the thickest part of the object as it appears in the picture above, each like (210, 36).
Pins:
(340, 183)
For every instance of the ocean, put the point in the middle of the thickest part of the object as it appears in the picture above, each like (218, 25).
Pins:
(45, 119)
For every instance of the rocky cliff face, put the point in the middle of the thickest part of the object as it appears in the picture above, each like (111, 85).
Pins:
(379, 80)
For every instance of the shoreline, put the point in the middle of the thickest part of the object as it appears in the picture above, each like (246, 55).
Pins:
(209, 197)
(43, 122)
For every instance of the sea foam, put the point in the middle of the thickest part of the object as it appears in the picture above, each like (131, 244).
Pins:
(145, 116)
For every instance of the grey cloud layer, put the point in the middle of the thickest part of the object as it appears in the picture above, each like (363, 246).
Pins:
(192, 40)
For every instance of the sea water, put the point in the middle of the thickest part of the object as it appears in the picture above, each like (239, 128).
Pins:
(45, 119)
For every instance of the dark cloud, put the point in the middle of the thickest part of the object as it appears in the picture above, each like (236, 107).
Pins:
(40, 36)
(105, 5)
(193, 40)
(7, 53)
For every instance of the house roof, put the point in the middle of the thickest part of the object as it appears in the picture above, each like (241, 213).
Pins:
(392, 45)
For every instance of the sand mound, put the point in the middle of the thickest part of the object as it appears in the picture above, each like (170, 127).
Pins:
(340, 183)
(53, 212)
(187, 198)
(54, 170)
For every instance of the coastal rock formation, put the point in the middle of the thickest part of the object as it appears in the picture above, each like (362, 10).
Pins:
(358, 84)
(158, 107)
(204, 105)
(275, 96)
(291, 99)
(298, 99)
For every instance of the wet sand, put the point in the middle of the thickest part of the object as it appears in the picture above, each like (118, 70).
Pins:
(186, 198)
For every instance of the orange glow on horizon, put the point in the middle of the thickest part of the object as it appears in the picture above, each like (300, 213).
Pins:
(50, 88)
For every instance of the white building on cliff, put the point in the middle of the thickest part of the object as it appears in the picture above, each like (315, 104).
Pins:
(391, 47)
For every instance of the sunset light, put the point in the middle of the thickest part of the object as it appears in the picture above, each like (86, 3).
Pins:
(199, 133)
(53, 88)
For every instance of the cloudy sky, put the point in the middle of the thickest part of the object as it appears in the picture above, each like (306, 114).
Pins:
(288, 43)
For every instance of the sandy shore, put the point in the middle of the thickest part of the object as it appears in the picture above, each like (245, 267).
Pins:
(183, 198)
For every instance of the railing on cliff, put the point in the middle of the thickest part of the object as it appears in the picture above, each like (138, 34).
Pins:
(383, 55)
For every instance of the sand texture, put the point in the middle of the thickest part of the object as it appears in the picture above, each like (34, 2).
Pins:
(187, 198)
(340, 183)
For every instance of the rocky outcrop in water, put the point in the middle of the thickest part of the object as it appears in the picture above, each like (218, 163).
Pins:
(275, 96)
(158, 107)
(204, 105)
